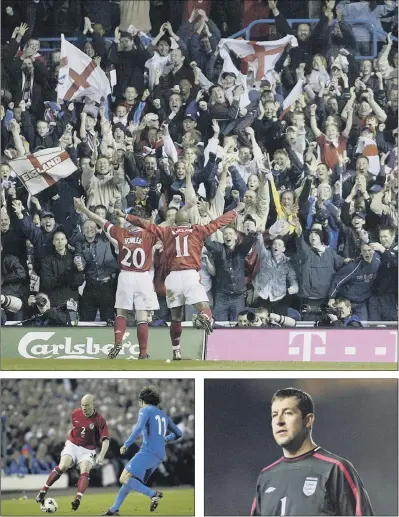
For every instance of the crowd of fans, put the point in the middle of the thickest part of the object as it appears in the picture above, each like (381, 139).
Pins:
(36, 421)
(319, 180)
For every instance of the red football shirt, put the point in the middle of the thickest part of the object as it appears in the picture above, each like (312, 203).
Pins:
(135, 247)
(183, 244)
(328, 152)
(88, 432)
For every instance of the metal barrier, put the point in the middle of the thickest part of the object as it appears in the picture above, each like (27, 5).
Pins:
(352, 21)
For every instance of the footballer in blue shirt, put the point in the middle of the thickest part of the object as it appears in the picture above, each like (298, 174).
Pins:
(154, 425)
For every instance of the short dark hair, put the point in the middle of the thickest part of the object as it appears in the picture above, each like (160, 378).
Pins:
(139, 211)
(100, 206)
(389, 229)
(150, 395)
(304, 400)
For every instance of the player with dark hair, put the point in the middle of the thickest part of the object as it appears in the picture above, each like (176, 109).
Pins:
(89, 430)
(135, 287)
(153, 424)
(306, 480)
(183, 245)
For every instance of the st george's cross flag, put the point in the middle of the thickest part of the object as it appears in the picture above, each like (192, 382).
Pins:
(43, 169)
(261, 56)
(79, 76)
(367, 146)
(292, 97)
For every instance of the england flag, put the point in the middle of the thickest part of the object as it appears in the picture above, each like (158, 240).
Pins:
(80, 76)
(43, 169)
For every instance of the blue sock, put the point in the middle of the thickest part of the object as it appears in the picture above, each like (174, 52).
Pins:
(135, 484)
(122, 494)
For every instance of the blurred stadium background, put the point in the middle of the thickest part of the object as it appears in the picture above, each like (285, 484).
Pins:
(36, 420)
(355, 418)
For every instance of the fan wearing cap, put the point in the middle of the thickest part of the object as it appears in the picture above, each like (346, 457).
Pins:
(40, 237)
(142, 196)
(318, 266)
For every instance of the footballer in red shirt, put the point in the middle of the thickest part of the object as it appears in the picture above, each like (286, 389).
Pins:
(89, 431)
(135, 286)
(183, 245)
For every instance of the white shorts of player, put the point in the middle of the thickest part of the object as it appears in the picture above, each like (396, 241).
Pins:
(78, 454)
(184, 287)
(136, 291)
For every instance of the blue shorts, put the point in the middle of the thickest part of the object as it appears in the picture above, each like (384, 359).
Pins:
(142, 465)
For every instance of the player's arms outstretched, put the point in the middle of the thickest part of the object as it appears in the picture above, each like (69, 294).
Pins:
(223, 220)
(176, 432)
(81, 207)
(143, 223)
(138, 428)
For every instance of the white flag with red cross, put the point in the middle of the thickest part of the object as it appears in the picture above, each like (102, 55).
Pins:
(292, 97)
(43, 169)
(80, 76)
(261, 56)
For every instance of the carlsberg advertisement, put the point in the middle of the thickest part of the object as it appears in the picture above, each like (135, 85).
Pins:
(92, 343)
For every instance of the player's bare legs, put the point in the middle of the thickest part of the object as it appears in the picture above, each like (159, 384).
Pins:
(176, 330)
(142, 333)
(204, 316)
(83, 483)
(119, 331)
(66, 462)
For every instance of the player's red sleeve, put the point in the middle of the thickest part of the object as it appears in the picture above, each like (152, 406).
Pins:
(347, 491)
(103, 428)
(150, 227)
(218, 223)
(111, 229)
(74, 415)
(255, 507)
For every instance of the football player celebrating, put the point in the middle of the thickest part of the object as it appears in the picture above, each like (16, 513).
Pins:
(135, 287)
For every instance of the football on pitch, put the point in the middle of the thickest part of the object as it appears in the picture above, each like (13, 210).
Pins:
(49, 506)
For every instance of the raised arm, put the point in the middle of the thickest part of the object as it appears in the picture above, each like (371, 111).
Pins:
(221, 221)
(81, 208)
(313, 124)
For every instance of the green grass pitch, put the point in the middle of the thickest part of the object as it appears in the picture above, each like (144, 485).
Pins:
(174, 502)
(127, 365)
